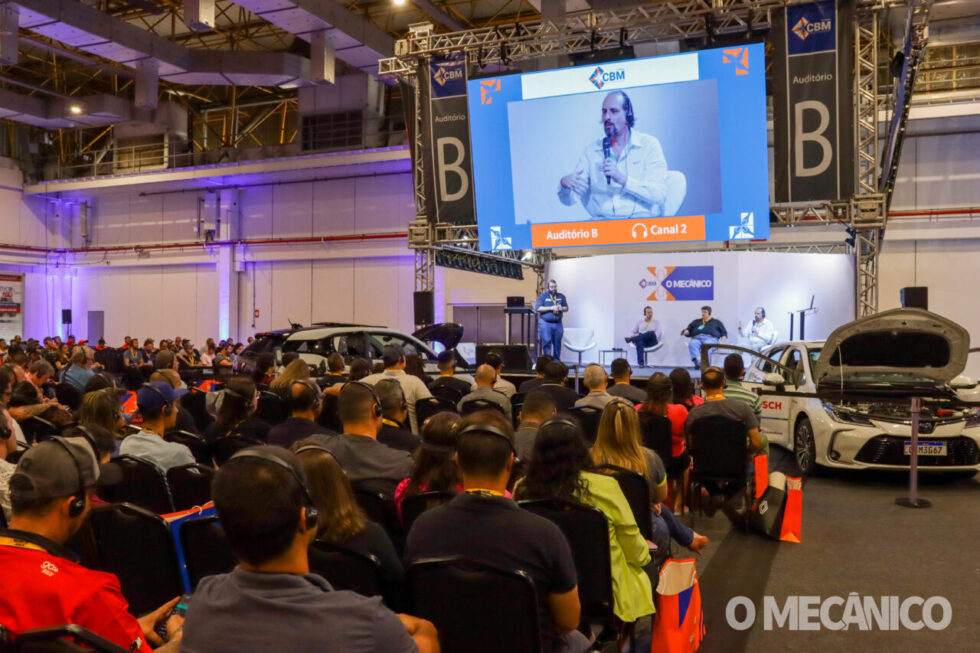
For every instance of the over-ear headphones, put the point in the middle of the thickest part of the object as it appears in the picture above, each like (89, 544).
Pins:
(312, 514)
(628, 109)
(491, 430)
(168, 407)
(374, 395)
(77, 505)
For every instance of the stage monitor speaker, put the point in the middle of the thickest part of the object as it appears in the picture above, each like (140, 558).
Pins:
(424, 307)
(516, 357)
(66, 316)
(915, 297)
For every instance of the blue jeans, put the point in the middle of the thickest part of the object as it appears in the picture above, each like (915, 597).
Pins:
(694, 347)
(641, 342)
(551, 333)
(667, 526)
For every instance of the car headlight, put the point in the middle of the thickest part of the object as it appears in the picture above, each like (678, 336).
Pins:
(845, 416)
(972, 418)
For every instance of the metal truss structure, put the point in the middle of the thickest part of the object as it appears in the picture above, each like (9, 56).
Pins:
(864, 214)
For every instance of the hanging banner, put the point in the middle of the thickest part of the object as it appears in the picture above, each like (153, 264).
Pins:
(11, 305)
(812, 51)
(450, 129)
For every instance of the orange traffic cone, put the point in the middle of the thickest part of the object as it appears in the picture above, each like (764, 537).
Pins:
(792, 514)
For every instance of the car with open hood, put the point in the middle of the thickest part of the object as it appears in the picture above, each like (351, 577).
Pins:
(846, 402)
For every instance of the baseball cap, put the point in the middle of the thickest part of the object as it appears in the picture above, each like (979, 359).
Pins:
(153, 396)
(59, 467)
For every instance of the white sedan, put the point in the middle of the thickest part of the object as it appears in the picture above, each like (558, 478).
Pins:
(845, 402)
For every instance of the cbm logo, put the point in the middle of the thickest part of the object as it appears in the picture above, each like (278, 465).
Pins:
(600, 77)
(442, 76)
(805, 28)
(498, 241)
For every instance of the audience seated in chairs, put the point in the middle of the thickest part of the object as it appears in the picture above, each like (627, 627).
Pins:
(558, 471)
(555, 374)
(485, 377)
(271, 601)
(296, 370)
(305, 404)
(537, 408)
(341, 521)
(393, 358)
(80, 370)
(734, 372)
(435, 468)
(236, 413)
(100, 381)
(595, 380)
(357, 449)
(539, 370)
(394, 431)
(185, 420)
(446, 385)
(265, 371)
(51, 494)
(683, 389)
(621, 387)
(335, 371)
(483, 525)
(8, 445)
(360, 368)
(618, 443)
(716, 405)
(662, 429)
(157, 403)
(496, 360)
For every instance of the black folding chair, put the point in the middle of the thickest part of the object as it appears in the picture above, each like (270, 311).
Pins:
(347, 570)
(224, 448)
(416, 504)
(206, 549)
(589, 417)
(454, 594)
(475, 405)
(426, 408)
(655, 432)
(516, 405)
(142, 484)
(68, 638)
(379, 506)
(190, 485)
(447, 393)
(272, 407)
(587, 532)
(68, 395)
(136, 546)
(719, 449)
(195, 403)
(637, 493)
(38, 429)
(199, 446)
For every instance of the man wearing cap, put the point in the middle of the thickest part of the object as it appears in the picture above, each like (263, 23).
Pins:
(157, 403)
(43, 584)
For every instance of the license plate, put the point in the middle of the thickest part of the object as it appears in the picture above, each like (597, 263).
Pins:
(927, 448)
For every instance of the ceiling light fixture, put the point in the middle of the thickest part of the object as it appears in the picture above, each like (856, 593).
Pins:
(75, 109)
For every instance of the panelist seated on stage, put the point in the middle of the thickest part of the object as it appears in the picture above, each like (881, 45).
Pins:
(646, 333)
(760, 332)
(706, 330)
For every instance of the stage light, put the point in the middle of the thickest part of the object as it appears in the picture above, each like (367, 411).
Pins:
(851, 237)
(398, 3)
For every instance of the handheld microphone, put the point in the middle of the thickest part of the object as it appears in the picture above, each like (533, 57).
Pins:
(606, 147)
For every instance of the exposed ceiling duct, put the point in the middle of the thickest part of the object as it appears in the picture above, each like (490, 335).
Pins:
(97, 33)
(356, 40)
(56, 112)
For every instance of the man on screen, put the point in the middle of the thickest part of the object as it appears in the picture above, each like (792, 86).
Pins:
(623, 174)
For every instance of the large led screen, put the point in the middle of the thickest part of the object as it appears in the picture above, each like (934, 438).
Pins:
(663, 149)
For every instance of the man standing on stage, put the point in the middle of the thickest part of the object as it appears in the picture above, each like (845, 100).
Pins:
(624, 174)
(551, 307)
(645, 334)
(706, 330)
(761, 333)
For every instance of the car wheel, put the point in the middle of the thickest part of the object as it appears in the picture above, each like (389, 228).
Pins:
(804, 446)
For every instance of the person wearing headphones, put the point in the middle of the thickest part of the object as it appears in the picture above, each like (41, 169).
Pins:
(271, 601)
(759, 333)
(43, 585)
(623, 174)
(482, 524)
(157, 403)
(394, 417)
(357, 449)
(305, 404)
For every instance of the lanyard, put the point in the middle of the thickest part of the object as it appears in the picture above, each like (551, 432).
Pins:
(389, 422)
(484, 492)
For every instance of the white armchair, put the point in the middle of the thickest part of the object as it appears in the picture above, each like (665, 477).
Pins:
(578, 340)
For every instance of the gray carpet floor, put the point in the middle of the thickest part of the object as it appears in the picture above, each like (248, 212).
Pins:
(855, 539)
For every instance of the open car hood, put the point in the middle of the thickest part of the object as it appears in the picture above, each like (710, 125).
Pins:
(447, 334)
(901, 346)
